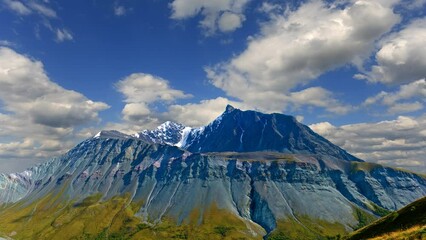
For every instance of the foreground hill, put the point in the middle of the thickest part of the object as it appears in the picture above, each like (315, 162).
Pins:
(406, 223)
(116, 185)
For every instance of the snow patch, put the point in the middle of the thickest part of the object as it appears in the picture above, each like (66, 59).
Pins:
(27, 173)
(184, 136)
(12, 176)
(239, 165)
(98, 135)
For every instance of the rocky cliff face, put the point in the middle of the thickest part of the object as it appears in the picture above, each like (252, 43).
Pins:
(261, 188)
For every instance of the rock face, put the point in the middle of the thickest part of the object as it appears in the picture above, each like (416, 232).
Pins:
(280, 170)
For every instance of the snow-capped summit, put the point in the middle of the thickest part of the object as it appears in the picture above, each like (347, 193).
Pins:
(167, 133)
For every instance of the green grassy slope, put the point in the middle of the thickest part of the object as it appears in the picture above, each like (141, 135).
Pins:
(413, 216)
(51, 218)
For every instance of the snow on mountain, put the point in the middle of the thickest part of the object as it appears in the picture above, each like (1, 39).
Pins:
(167, 133)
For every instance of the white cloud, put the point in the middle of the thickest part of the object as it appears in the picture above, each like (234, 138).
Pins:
(120, 10)
(142, 90)
(402, 56)
(230, 21)
(6, 43)
(400, 142)
(223, 15)
(270, 8)
(190, 114)
(323, 128)
(295, 47)
(42, 9)
(405, 107)
(300, 118)
(199, 114)
(63, 35)
(147, 88)
(394, 100)
(135, 111)
(318, 97)
(47, 17)
(37, 116)
(143, 93)
(17, 6)
(413, 4)
(28, 7)
(27, 90)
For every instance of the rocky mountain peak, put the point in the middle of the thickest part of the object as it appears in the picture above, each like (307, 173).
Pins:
(229, 108)
(167, 133)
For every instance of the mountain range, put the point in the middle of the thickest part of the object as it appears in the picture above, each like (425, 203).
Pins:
(246, 175)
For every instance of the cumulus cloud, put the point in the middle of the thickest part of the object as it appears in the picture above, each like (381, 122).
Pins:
(396, 102)
(224, 15)
(318, 97)
(400, 142)
(190, 114)
(405, 107)
(141, 91)
(401, 57)
(37, 114)
(230, 21)
(27, 90)
(199, 114)
(295, 47)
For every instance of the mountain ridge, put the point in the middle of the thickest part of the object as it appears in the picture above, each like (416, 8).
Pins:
(238, 127)
(266, 191)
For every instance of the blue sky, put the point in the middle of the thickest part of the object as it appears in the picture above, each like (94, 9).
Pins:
(354, 70)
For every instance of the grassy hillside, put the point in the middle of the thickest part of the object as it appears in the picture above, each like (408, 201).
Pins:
(51, 218)
(414, 233)
(407, 223)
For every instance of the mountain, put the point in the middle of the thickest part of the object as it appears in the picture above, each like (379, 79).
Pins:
(246, 131)
(245, 175)
(167, 133)
(406, 223)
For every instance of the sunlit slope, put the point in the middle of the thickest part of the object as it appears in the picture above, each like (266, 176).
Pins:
(406, 223)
